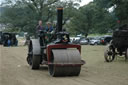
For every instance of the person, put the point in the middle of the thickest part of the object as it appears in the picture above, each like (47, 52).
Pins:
(13, 40)
(39, 27)
(27, 39)
(49, 27)
(9, 42)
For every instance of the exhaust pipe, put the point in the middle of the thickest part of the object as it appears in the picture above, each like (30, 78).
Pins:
(59, 18)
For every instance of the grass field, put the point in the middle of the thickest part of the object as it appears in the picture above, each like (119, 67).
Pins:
(101, 72)
(14, 69)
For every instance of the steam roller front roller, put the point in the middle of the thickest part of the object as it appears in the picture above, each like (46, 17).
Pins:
(65, 62)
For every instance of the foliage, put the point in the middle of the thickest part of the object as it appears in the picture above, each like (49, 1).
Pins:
(95, 17)
(92, 19)
(24, 15)
(120, 8)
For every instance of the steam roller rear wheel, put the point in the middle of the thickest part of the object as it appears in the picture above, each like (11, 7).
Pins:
(33, 60)
(65, 63)
(109, 55)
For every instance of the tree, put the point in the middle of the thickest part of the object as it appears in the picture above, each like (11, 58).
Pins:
(23, 15)
(120, 8)
(82, 22)
(91, 19)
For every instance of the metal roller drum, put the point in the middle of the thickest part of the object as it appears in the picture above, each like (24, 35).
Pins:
(66, 62)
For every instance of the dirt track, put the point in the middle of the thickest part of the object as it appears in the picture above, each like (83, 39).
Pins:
(15, 71)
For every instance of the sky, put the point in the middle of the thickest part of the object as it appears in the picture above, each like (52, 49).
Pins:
(1, 1)
(84, 2)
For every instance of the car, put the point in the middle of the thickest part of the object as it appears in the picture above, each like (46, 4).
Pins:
(76, 40)
(84, 41)
(105, 40)
(94, 41)
(71, 39)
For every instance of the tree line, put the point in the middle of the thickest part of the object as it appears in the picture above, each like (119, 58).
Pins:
(95, 17)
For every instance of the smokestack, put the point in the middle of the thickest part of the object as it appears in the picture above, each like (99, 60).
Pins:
(59, 18)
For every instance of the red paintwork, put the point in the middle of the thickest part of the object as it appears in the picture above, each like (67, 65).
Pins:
(50, 47)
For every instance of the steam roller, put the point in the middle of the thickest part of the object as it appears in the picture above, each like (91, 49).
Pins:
(55, 50)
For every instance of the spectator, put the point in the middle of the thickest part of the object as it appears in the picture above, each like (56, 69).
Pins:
(49, 27)
(39, 27)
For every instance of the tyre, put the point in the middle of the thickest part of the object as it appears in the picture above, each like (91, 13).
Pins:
(95, 43)
(33, 60)
(126, 55)
(109, 55)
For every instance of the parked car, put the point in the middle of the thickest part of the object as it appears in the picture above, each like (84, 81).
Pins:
(76, 40)
(84, 41)
(71, 39)
(94, 41)
(106, 39)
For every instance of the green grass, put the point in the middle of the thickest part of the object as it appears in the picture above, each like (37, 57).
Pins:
(93, 35)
